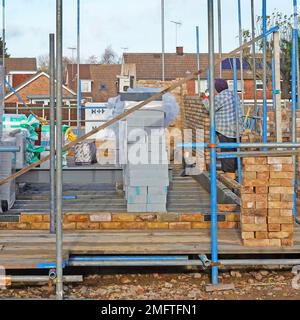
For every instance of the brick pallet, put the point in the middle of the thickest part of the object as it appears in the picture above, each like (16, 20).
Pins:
(267, 202)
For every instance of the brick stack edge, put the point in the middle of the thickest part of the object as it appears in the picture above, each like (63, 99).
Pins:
(267, 202)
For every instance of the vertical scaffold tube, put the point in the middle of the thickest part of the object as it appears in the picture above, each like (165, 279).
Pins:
(213, 140)
(265, 106)
(256, 110)
(163, 40)
(220, 35)
(78, 72)
(52, 132)
(241, 52)
(294, 97)
(237, 116)
(198, 60)
(59, 182)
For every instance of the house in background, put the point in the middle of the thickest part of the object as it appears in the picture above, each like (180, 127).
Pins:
(19, 70)
(36, 91)
(180, 65)
(98, 81)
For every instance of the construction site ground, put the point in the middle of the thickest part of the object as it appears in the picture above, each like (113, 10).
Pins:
(166, 284)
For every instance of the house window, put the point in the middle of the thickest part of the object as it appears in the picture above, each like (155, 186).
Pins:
(259, 85)
(9, 79)
(86, 86)
(203, 86)
(231, 85)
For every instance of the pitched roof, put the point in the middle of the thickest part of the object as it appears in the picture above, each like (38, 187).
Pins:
(33, 78)
(148, 65)
(103, 77)
(20, 64)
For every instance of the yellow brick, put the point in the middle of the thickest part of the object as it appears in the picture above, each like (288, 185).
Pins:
(281, 190)
(286, 213)
(287, 227)
(180, 225)
(279, 235)
(31, 218)
(3, 225)
(231, 217)
(18, 226)
(281, 175)
(247, 235)
(260, 220)
(87, 225)
(77, 218)
(46, 218)
(275, 242)
(227, 225)
(256, 168)
(280, 182)
(191, 217)
(280, 160)
(157, 225)
(119, 217)
(280, 205)
(248, 219)
(261, 235)
(40, 226)
(274, 227)
(133, 225)
(256, 242)
(69, 225)
(201, 225)
(281, 220)
(227, 207)
(254, 227)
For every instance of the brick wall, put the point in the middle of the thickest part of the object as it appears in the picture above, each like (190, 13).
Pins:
(228, 218)
(267, 201)
(195, 118)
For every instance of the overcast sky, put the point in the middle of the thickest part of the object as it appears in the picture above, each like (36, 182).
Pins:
(134, 24)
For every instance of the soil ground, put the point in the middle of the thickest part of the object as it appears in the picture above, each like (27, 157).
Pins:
(255, 285)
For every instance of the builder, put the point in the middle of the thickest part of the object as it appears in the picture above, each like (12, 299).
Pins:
(226, 119)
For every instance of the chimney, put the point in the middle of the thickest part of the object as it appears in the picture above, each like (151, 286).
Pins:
(179, 51)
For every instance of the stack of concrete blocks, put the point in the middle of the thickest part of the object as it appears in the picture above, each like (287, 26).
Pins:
(146, 174)
(267, 202)
(7, 168)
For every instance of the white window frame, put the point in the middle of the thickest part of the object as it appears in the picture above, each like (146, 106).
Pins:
(259, 82)
(203, 86)
(231, 85)
(86, 86)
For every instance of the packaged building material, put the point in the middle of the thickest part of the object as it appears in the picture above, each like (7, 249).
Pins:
(85, 153)
(7, 190)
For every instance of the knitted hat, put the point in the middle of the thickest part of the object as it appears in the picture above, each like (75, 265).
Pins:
(221, 85)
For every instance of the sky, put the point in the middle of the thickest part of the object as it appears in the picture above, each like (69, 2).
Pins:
(132, 24)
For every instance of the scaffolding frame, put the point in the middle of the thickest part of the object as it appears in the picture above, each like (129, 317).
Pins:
(212, 145)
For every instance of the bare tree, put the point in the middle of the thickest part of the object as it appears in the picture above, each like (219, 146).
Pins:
(93, 59)
(109, 56)
(43, 63)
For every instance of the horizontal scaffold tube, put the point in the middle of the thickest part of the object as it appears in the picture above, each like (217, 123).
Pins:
(9, 149)
(260, 262)
(270, 153)
(229, 145)
(10, 279)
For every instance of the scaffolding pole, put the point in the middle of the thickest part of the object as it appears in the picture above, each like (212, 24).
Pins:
(241, 52)
(2, 102)
(220, 35)
(213, 140)
(294, 97)
(163, 40)
(59, 173)
(198, 60)
(255, 109)
(78, 72)
(265, 106)
(52, 131)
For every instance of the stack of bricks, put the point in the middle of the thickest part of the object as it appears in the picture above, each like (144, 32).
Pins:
(267, 202)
